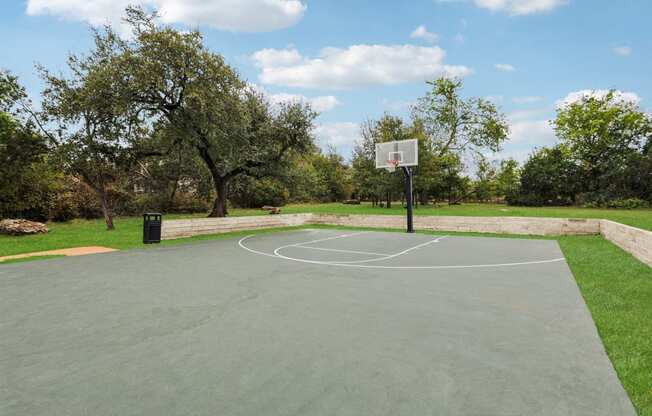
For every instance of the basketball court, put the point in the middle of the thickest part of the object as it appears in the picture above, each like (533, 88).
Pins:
(305, 322)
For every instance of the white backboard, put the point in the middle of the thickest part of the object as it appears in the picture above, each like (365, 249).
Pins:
(406, 152)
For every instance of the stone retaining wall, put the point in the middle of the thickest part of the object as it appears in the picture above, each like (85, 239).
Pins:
(497, 225)
(186, 228)
(633, 240)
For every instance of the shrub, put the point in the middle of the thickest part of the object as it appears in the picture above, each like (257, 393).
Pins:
(629, 203)
(251, 193)
(183, 202)
(74, 200)
(626, 203)
(532, 200)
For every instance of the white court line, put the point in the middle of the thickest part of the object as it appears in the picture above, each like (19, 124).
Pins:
(390, 256)
(344, 251)
(387, 257)
(241, 243)
(367, 266)
(319, 240)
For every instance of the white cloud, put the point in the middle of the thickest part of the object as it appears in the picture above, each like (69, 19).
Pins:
(528, 129)
(320, 104)
(232, 15)
(277, 57)
(422, 33)
(520, 7)
(622, 50)
(357, 65)
(534, 133)
(619, 96)
(527, 100)
(505, 67)
(340, 135)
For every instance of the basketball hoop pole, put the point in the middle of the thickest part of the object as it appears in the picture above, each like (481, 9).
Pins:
(408, 193)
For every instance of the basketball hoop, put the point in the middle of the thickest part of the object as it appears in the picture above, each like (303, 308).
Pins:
(392, 164)
(404, 153)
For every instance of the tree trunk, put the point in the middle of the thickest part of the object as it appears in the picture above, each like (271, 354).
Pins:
(423, 196)
(170, 202)
(107, 210)
(219, 205)
(389, 199)
(220, 183)
(102, 193)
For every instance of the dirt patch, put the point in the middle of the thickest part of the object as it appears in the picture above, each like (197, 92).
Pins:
(75, 251)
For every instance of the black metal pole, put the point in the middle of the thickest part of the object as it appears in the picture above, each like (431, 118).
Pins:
(409, 197)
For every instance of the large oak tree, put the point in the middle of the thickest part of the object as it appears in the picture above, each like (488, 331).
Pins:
(203, 101)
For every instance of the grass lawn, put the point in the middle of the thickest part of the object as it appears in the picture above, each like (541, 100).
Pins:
(616, 287)
(81, 233)
(618, 291)
(128, 233)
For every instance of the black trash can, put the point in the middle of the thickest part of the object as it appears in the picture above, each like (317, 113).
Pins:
(152, 223)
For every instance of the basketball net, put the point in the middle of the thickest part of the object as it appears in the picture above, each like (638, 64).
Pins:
(392, 165)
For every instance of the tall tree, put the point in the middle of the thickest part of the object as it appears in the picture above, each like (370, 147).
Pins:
(428, 174)
(232, 127)
(333, 175)
(485, 184)
(508, 179)
(602, 133)
(458, 125)
(27, 181)
(97, 129)
(549, 177)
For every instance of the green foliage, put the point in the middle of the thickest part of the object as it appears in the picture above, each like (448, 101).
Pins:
(333, 178)
(602, 134)
(194, 94)
(176, 180)
(10, 91)
(75, 199)
(455, 124)
(301, 178)
(28, 181)
(486, 184)
(603, 161)
(97, 128)
(249, 192)
(629, 203)
(508, 179)
(308, 177)
(159, 122)
(549, 177)
(369, 182)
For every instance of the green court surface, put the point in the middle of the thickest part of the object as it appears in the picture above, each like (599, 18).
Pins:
(306, 322)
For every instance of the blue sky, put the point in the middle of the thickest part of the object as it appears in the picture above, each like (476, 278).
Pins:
(357, 59)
